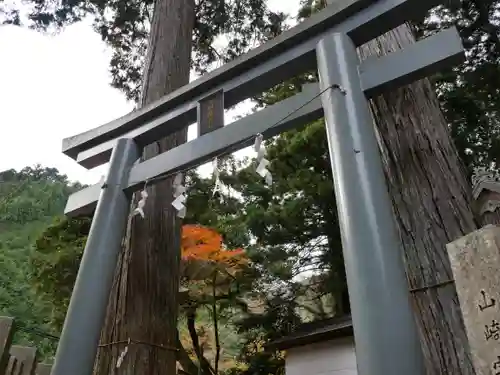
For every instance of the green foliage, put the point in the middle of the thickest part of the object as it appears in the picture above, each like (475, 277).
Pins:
(259, 330)
(469, 94)
(33, 194)
(58, 251)
(56, 261)
(29, 201)
(17, 298)
(294, 226)
(221, 211)
(295, 222)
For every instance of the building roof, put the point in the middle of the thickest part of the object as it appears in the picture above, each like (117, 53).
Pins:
(310, 333)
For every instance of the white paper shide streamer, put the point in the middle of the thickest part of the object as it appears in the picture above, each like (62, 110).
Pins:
(262, 162)
(216, 176)
(121, 357)
(180, 196)
(140, 205)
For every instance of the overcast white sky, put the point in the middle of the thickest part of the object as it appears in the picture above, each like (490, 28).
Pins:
(52, 87)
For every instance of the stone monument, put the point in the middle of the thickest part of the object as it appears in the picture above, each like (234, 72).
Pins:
(486, 194)
(475, 261)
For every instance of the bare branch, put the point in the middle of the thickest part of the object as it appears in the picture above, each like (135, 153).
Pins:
(204, 364)
(216, 328)
(189, 367)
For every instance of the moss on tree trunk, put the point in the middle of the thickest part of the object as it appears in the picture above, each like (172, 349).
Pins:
(143, 305)
(431, 200)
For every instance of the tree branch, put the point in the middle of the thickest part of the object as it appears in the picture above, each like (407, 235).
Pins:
(204, 364)
(216, 328)
(208, 301)
(189, 367)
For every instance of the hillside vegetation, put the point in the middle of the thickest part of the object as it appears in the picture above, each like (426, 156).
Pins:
(40, 251)
(30, 200)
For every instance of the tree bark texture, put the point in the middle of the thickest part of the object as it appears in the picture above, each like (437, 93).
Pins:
(432, 206)
(143, 306)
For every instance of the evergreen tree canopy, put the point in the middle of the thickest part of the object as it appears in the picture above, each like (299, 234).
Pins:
(29, 201)
(470, 93)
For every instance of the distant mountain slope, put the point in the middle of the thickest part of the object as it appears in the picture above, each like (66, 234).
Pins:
(29, 201)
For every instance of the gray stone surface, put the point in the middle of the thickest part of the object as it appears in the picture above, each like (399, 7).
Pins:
(475, 261)
(43, 369)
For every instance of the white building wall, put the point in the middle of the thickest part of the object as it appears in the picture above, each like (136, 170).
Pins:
(335, 357)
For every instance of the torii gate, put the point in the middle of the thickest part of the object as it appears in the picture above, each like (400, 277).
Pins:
(384, 326)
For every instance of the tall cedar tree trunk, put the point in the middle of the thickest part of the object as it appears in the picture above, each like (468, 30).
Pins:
(144, 305)
(431, 200)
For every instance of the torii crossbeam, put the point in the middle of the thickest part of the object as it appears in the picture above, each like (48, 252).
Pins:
(385, 334)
